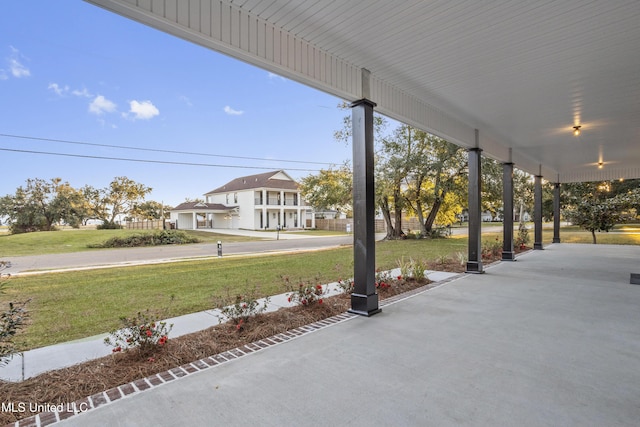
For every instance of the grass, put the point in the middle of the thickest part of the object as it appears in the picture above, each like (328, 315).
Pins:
(68, 241)
(627, 234)
(74, 305)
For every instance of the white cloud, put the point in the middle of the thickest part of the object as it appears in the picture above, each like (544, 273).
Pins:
(101, 105)
(84, 93)
(143, 110)
(273, 76)
(186, 100)
(18, 70)
(230, 111)
(59, 90)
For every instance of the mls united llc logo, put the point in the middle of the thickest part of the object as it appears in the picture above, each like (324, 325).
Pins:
(43, 407)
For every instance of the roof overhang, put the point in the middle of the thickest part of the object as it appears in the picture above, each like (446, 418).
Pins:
(520, 73)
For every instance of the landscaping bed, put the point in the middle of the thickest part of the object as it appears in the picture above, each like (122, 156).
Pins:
(77, 382)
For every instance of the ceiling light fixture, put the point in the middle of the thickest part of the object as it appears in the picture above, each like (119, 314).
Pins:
(600, 165)
(576, 130)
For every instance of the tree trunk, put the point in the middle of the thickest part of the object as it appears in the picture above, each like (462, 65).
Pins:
(593, 234)
(384, 207)
(423, 229)
(397, 197)
(428, 225)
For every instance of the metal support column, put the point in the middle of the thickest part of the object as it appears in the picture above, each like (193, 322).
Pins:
(507, 212)
(364, 299)
(474, 263)
(556, 212)
(537, 213)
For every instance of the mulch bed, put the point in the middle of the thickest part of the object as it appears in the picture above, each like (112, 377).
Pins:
(74, 383)
(77, 382)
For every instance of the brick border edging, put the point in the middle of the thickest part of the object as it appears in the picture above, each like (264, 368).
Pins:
(129, 389)
(134, 387)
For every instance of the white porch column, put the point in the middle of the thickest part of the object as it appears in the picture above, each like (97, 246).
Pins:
(194, 218)
(282, 214)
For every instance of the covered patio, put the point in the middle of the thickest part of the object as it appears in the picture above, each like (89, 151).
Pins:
(550, 340)
(549, 88)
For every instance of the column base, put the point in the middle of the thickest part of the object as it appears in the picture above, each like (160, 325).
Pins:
(474, 267)
(508, 256)
(538, 246)
(364, 305)
(556, 240)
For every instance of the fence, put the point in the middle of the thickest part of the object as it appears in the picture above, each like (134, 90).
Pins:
(341, 225)
(408, 224)
(156, 224)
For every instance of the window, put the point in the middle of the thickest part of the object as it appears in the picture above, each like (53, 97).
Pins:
(235, 197)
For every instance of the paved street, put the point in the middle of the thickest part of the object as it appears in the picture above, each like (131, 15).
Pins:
(129, 256)
(282, 242)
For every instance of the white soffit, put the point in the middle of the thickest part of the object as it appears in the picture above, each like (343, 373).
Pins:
(521, 72)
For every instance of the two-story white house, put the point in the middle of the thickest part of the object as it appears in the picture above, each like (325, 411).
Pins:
(256, 202)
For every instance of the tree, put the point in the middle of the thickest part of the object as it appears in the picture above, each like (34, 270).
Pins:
(330, 189)
(150, 210)
(422, 174)
(120, 198)
(593, 207)
(39, 206)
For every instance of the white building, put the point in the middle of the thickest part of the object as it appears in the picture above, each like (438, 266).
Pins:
(256, 202)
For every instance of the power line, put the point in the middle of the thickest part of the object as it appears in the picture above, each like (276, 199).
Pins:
(164, 162)
(124, 147)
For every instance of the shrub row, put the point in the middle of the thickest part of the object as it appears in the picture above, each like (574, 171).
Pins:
(159, 237)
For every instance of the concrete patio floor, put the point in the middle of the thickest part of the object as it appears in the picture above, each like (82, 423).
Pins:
(550, 340)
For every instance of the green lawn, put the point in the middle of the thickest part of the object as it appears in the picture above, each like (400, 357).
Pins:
(66, 241)
(627, 234)
(72, 305)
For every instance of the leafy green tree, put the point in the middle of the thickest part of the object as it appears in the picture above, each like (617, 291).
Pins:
(120, 198)
(330, 189)
(39, 205)
(594, 207)
(150, 210)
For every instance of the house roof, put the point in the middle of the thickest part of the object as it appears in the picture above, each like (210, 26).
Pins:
(201, 207)
(271, 179)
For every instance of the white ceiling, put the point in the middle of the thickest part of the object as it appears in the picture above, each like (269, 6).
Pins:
(521, 72)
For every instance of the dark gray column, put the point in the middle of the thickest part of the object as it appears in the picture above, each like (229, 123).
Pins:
(537, 213)
(507, 217)
(364, 299)
(474, 263)
(556, 213)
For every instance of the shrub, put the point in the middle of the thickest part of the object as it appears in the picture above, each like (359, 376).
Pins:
(108, 225)
(414, 270)
(305, 294)
(383, 279)
(239, 309)
(158, 237)
(11, 320)
(142, 331)
(405, 267)
(523, 236)
(419, 268)
(492, 249)
(346, 286)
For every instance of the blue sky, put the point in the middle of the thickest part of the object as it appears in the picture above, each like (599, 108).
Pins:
(71, 71)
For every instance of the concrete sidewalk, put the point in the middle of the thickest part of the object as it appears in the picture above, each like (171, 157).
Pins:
(549, 340)
(43, 359)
